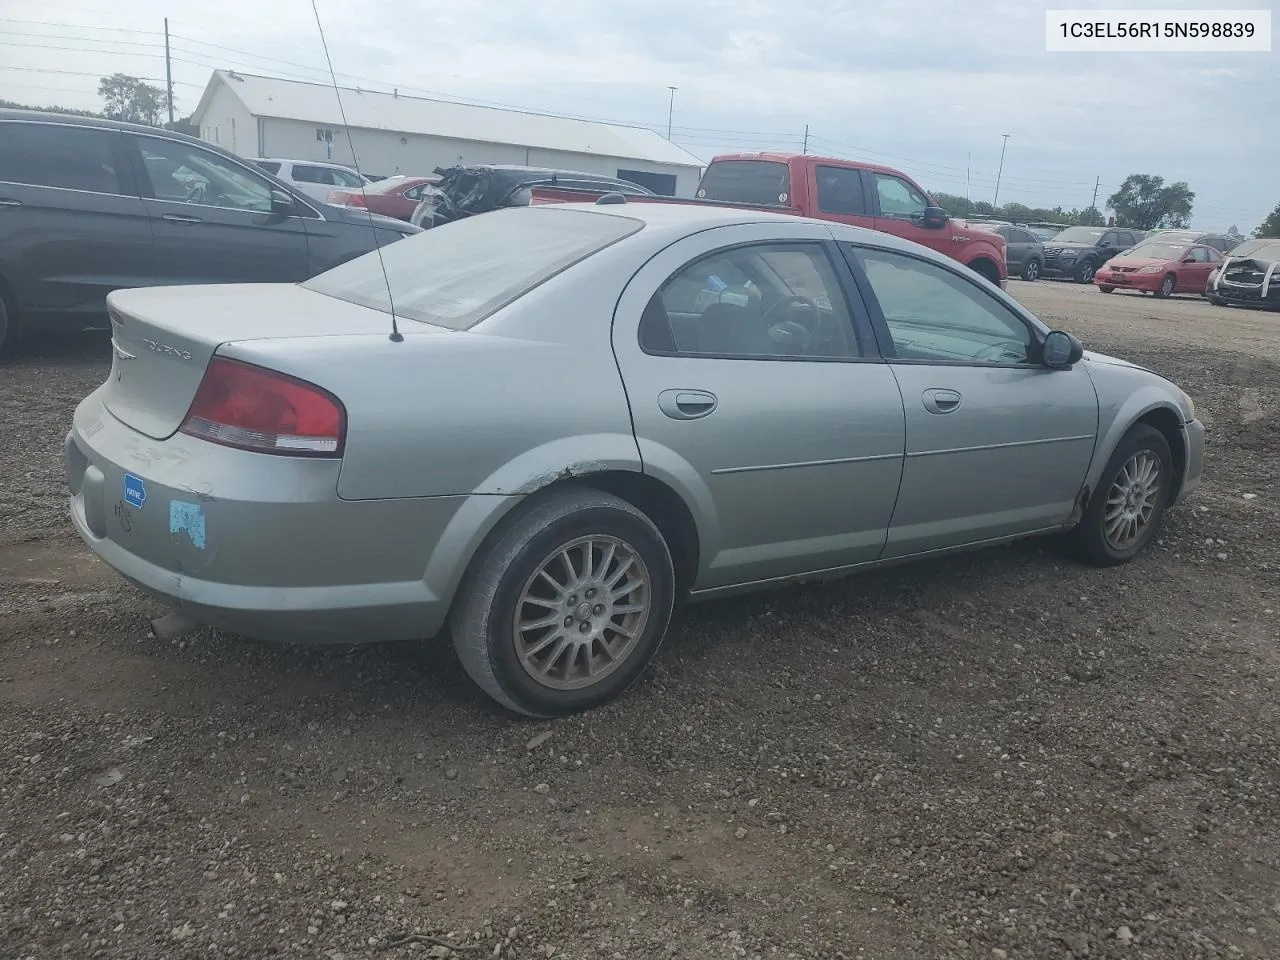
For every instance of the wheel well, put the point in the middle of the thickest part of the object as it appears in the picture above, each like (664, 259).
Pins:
(1167, 422)
(985, 267)
(664, 507)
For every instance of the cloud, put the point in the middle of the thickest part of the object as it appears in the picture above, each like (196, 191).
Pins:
(926, 85)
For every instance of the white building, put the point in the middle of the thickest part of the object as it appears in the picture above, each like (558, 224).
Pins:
(267, 117)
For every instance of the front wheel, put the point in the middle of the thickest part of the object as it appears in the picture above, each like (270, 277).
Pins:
(567, 607)
(1084, 272)
(1106, 289)
(1126, 510)
(1166, 287)
(1031, 269)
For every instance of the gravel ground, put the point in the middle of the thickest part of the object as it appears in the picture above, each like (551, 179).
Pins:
(997, 755)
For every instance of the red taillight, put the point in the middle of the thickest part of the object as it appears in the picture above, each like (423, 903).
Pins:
(356, 200)
(252, 408)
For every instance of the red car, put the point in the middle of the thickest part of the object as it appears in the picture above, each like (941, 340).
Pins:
(393, 197)
(1162, 267)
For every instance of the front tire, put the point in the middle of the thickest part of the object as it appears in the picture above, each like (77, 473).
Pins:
(1106, 289)
(1084, 272)
(1032, 269)
(567, 607)
(1166, 287)
(1126, 510)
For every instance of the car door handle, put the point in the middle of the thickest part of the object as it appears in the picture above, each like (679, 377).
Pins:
(686, 404)
(181, 218)
(941, 401)
(7, 202)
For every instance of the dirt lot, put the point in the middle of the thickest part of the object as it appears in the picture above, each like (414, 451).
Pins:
(998, 755)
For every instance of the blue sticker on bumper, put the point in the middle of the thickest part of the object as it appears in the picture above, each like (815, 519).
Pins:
(187, 518)
(135, 491)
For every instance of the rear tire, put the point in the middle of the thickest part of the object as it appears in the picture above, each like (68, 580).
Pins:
(549, 649)
(1166, 287)
(1127, 508)
(1032, 269)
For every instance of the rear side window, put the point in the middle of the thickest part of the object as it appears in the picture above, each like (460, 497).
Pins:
(455, 276)
(305, 174)
(840, 191)
(58, 155)
(268, 165)
(746, 181)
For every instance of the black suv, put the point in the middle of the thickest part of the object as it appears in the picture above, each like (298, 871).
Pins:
(1077, 252)
(88, 206)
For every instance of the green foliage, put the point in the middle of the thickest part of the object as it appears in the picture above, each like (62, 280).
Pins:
(128, 98)
(1017, 212)
(1270, 227)
(1143, 201)
(13, 105)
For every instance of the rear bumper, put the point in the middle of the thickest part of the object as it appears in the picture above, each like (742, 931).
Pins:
(260, 545)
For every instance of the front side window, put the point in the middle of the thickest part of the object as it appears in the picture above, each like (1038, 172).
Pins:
(898, 198)
(58, 155)
(936, 316)
(183, 173)
(1199, 254)
(840, 191)
(769, 300)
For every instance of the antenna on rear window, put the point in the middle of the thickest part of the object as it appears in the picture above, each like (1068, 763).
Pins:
(396, 335)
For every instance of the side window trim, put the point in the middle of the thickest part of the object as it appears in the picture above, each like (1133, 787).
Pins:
(883, 336)
(865, 340)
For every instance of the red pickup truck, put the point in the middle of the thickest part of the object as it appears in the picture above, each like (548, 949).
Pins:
(846, 191)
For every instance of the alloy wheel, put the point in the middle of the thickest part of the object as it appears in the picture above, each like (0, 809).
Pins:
(1132, 500)
(582, 612)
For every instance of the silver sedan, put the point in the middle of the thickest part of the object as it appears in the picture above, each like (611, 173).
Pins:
(542, 427)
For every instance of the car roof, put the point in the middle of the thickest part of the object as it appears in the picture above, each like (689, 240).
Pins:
(71, 119)
(308, 163)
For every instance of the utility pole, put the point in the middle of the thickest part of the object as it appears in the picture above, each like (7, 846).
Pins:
(168, 71)
(968, 161)
(671, 109)
(805, 148)
(1001, 170)
(1093, 204)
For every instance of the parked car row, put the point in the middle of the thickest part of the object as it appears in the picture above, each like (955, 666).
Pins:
(1166, 264)
(88, 206)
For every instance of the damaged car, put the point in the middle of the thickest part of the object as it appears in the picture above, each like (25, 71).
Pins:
(464, 191)
(1248, 277)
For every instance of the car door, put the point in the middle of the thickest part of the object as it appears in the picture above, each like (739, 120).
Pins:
(212, 217)
(996, 444)
(1015, 248)
(72, 226)
(1193, 271)
(774, 416)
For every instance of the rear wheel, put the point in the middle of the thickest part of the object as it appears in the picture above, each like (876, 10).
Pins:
(1031, 269)
(1084, 272)
(1166, 287)
(1126, 510)
(567, 607)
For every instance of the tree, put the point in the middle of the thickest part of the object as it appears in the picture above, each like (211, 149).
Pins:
(14, 105)
(1143, 201)
(1270, 227)
(128, 98)
(1091, 217)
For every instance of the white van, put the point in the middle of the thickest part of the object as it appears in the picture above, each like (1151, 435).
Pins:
(314, 178)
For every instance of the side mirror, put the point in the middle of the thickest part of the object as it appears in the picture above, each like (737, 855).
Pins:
(282, 204)
(935, 218)
(1061, 350)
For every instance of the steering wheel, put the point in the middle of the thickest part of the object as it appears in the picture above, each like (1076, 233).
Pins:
(811, 328)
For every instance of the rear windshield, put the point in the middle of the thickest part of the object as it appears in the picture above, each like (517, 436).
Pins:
(746, 181)
(1080, 235)
(457, 274)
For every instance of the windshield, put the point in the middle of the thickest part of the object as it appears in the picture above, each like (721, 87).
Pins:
(1268, 249)
(746, 181)
(1080, 235)
(455, 276)
(1158, 250)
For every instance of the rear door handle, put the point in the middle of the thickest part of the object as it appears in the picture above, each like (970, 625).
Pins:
(941, 401)
(686, 404)
(7, 202)
(180, 218)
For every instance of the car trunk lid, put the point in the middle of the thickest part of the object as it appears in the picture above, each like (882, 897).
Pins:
(162, 339)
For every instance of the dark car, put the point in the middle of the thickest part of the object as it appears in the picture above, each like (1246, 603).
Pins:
(1222, 242)
(1077, 252)
(1248, 277)
(467, 190)
(1024, 251)
(88, 206)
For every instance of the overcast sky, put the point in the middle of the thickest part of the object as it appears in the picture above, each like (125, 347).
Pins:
(928, 86)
